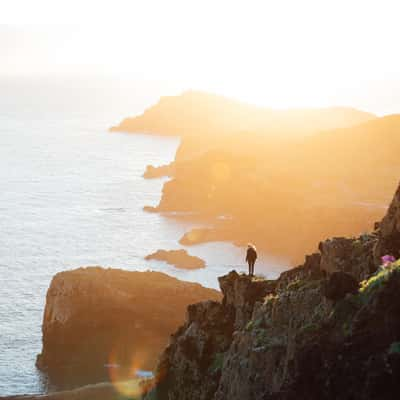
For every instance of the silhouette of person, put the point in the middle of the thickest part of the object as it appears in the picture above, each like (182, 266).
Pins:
(251, 257)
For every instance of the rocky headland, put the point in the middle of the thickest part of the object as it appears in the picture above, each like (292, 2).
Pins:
(312, 172)
(327, 329)
(178, 258)
(199, 113)
(96, 317)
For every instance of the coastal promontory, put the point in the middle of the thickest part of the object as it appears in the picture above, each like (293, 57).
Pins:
(98, 320)
(327, 329)
(283, 179)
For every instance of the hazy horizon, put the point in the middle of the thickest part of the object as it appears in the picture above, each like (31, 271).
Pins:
(272, 54)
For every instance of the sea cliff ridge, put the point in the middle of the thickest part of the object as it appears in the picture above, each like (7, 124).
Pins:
(315, 173)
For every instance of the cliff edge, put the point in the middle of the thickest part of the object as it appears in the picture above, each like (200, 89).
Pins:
(328, 329)
(96, 317)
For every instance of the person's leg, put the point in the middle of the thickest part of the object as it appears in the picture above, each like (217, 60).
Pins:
(249, 262)
(251, 267)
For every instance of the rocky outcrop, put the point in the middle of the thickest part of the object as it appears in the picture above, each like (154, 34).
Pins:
(95, 316)
(241, 293)
(178, 258)
(328, 329)
(349, 255)
(190, 366)
(339, 284)
(389, 231)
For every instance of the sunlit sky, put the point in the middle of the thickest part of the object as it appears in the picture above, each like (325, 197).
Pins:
(273, 53)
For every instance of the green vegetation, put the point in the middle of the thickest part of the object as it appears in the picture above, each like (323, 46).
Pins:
(368, 287)
(309, 328)
(358, 247)
(270, 299)
(266, 340)
(304, 284)
(394, 348)
(258, 323)
(217, 362)
(249, 326)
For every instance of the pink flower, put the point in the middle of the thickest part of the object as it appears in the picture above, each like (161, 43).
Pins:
(387, 260)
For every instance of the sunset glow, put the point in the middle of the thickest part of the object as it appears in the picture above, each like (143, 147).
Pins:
(274, 53)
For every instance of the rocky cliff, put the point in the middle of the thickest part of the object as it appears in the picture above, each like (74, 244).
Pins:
(315, 173)
(328, 329)
(96, 317)
(194, 112)
(329, 184)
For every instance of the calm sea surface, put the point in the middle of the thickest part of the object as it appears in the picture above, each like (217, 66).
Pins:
(71, 194)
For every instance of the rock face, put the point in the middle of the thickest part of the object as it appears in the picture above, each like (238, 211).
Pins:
(349, 255)
(339, 285)
(95, 316)
(179, 258)
(389, 231)
(315, 333)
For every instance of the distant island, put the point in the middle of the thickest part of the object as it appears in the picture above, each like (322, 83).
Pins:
(283, 179)
(178, 258)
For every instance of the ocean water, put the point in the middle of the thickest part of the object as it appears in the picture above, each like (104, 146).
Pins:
(71, 195)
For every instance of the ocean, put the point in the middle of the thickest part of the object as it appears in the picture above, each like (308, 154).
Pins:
(71, 195)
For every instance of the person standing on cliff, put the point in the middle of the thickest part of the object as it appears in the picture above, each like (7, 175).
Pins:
(251, 257)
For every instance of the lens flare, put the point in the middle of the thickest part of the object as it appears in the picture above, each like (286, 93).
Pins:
(126, 375)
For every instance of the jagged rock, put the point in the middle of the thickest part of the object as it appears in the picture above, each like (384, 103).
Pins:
(362, 360)
(241, 292)
(95, 316)
(189, 368)
(310, 269)
(296, 345)
(179, 258)
(339, 285)
(194, 358)
(389, 231)
(289, 342)
(351, 255)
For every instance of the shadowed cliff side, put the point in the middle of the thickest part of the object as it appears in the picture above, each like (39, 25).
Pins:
(96, 317)
(328, 329)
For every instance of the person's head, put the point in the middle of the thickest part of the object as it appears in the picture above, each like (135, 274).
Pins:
(251, 246)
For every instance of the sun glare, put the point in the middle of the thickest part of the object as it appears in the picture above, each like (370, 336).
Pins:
(278, 54)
